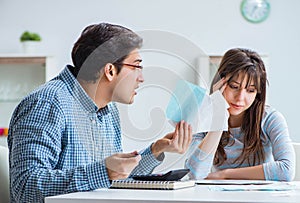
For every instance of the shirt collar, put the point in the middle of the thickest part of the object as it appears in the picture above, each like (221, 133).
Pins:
(76, 90)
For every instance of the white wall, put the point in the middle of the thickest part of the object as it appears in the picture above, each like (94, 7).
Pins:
(213, 25)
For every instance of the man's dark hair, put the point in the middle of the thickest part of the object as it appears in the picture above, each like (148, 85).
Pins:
(100, 44)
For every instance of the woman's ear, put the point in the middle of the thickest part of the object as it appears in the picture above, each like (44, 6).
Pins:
(109, 71)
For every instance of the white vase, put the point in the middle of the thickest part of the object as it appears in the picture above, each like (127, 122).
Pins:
(30, 47)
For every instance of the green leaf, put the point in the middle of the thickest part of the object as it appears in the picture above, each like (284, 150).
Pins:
(30, 36)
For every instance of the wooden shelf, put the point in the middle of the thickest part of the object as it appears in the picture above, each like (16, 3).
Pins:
(23, 60)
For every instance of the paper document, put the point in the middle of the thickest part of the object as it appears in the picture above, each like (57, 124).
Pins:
(275, 186)
(192, 104)
(234, 182)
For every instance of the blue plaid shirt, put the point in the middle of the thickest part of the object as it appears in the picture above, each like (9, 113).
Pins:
(58, 141)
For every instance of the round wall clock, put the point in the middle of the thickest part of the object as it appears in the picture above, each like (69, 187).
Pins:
(255, 11)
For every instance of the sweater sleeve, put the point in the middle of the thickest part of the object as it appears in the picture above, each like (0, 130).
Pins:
(198, 161)
(282, 168)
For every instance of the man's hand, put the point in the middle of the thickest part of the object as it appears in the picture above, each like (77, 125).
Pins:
(120, 165)
(177, 141)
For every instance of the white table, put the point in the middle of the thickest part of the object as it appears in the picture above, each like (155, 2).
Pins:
(200, 193)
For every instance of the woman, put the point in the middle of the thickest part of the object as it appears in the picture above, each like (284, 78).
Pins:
(257, 144)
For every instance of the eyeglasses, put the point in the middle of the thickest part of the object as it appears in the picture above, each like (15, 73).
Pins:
(130, 65)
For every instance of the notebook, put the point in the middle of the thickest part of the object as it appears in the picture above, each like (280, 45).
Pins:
(155, 185)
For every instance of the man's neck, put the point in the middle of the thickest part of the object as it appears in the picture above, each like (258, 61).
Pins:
(95, 91)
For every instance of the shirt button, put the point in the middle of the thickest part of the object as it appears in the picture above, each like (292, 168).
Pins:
(93, 121)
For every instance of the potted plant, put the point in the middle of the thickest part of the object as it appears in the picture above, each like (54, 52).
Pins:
(30, 41)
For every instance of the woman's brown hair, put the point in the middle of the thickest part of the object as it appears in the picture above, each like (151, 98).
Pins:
(248, 63)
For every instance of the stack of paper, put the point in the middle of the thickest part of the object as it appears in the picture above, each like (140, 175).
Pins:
(192, 104)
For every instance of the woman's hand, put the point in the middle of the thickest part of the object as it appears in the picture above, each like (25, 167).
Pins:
(219, 175)
(220, 85)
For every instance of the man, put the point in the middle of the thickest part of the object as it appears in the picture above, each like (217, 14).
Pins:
(65, 136)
